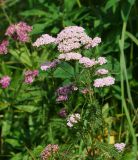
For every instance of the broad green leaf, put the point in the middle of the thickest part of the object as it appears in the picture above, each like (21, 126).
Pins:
(65, 70)
(3, 105)
(33, 12)
(110, 3)
(26, 108)
(132, 2)
(6, 126)
(38, 28)
(17, 156)
(132, 37)
(69, 4)
(13, 142)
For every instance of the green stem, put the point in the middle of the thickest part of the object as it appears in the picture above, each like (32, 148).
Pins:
(79, 4)
(124, 76)
(6, 15)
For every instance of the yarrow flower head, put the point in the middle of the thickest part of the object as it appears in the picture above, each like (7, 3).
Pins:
(87, 62)
(73, 37)
(5, 81)
(70, 56)
(19, 31)
(93, 42)
(101, 71)
(44, 40)
(72, 119)
(120, 146)
(63, 93)
(102, 60)
(3, 47)
(85, 91)
(30, 76)
(63, 113)
(49, 151)
(49, 65)
(102, 82)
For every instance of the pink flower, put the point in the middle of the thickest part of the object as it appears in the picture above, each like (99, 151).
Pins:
(70, 56)
(30, 76)
(120, 146)
(3, 47)
(101, 82)
(5, 81)
(71, 38)
(49, 65)
(93, 42)
(63, 112)
(44, 40)
(62, 98)
(102, 71)
(102, 60)
(85, 91)
(87, 62)
(19, 31)
(72, 119)
(49, 151)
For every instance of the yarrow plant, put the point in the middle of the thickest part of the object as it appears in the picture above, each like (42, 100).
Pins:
(71, 42)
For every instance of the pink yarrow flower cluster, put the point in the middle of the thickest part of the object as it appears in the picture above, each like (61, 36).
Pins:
(44, 40)
(49, 65)
(49, 151)
(87, 62)
(70, 56)
(102, 60)
(63, 93)
(3, 47)
(69, 39)
(19, 31)
(73, 119)
(5, 81)
(120, 146)
(102, 71)
(30, 76)
(63, 113)
(93, 42)
(102, 82)
(73, 37)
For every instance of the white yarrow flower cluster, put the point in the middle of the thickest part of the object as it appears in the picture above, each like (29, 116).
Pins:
(102, 60)
(44, 40)
(102, 82)
(102, 71)
(73, 119)
(73, 37)
(87, 62)
(70, 56)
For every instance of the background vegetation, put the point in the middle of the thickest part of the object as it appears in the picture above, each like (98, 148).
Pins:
(29, 117)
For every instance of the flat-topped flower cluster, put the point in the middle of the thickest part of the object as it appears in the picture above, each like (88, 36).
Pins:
(69, 41)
